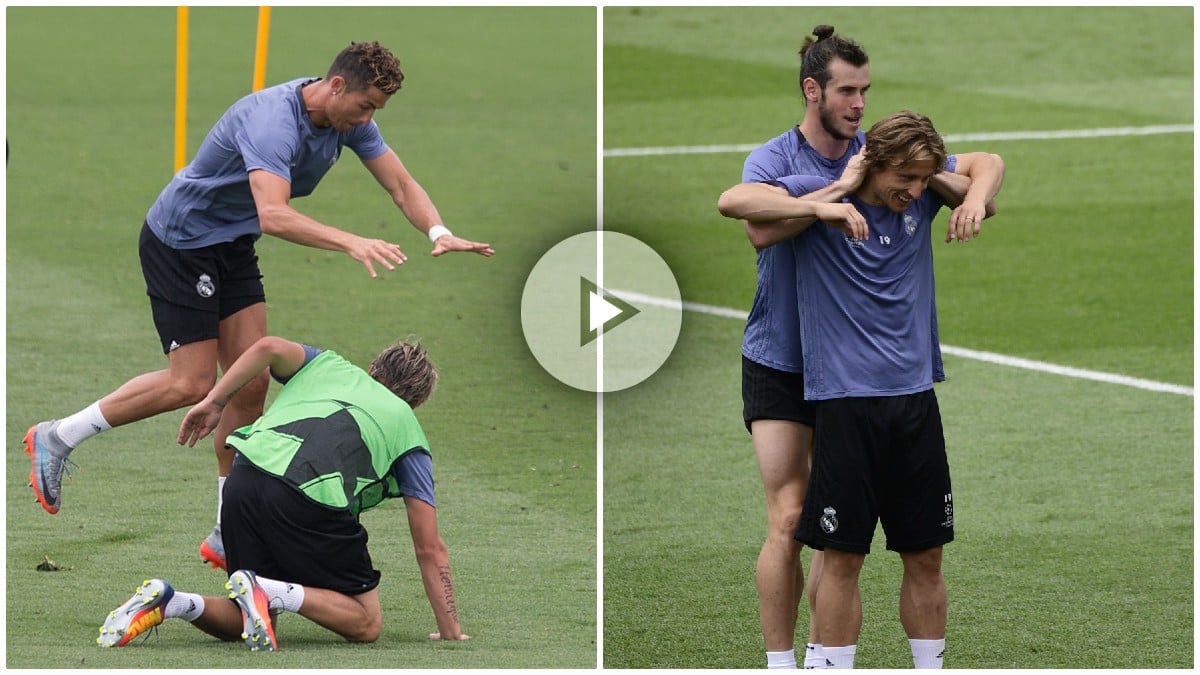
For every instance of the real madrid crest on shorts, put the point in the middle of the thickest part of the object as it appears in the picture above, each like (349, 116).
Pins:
(205, 286)
(829, 523)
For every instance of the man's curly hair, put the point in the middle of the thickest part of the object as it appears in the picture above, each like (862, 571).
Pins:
(364, 64)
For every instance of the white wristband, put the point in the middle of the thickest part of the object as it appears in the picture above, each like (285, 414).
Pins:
(438, 231)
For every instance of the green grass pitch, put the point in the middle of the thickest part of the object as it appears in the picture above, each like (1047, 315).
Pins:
(1075, 541)
(505, 145)
(1075, 545)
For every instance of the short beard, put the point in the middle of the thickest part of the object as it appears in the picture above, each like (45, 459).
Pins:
(828, 121)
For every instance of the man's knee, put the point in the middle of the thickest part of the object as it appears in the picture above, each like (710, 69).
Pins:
(923, 565)
(186, 391)
(368, 631)
(841, 564)
(781, 523)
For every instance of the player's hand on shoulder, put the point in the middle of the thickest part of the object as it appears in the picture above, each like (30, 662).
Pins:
(852, 176)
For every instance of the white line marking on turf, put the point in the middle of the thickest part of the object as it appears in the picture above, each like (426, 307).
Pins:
(990, 357)
(948, 138)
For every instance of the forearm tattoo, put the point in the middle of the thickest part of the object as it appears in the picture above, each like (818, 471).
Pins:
(448, 590)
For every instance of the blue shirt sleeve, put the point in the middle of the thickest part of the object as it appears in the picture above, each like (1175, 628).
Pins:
(413, 472)
(268, 140)
(763, 164)
(310, 353)
(366, 141)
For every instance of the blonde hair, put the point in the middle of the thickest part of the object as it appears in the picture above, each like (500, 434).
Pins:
(903, 138)
(405, 369)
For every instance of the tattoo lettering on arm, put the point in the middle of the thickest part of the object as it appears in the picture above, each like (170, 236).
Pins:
(448, 590)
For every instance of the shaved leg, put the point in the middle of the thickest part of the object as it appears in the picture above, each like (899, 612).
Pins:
(191, 372)
(221, 618)
(358, 618)
(783, 450)
(923, 595)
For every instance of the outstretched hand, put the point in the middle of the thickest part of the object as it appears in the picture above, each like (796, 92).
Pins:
(199, 422)
(448, 242)
(371, 251)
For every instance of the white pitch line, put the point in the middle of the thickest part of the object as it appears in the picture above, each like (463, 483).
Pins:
(948, 138)
(990, 357)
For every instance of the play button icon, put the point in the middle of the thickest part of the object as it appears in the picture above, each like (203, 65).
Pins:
(604, 311)
(601, 311)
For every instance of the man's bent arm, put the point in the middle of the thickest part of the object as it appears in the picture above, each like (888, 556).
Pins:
(283, 357)
(764, 233)
(986, 171)
(277, 218)
(434, 561)
(970, 190)
(771, 215)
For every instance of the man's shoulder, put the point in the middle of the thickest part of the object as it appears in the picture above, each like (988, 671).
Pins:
(785, 143)
(772, 158)
(273, 109)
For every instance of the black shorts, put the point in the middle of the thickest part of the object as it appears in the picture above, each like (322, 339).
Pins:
(880, 459)
(272, 528)
(771, 394)
(192, 290)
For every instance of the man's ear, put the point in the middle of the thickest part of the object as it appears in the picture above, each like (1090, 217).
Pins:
(812, 90)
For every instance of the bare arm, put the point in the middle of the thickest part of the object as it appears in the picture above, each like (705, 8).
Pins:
(772, 215)
(277, 218)
(764, 233)
(971, 191)
(434, 561)
(416, 205)
(284, 357)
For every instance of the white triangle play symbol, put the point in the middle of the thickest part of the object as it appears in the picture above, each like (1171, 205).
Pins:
(600, 311)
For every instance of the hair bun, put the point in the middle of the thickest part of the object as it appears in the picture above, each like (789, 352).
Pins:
(823, 32)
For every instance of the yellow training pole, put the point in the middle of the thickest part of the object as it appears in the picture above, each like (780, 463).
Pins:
(181, 70)
(260, 47)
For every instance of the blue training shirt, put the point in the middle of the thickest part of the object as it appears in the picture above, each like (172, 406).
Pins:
(867, 307)
(772, 336)
(413, 470)
(209, 201)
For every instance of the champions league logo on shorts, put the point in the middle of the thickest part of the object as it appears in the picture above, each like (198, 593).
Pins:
(205, 286)
(829, 523)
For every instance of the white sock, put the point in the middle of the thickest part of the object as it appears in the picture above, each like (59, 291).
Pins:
(82, 425)
(283, 595)
(186, 606)
(785, 659)
(220, 498)
(927, 653)
(813, 658)
(839, 657)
